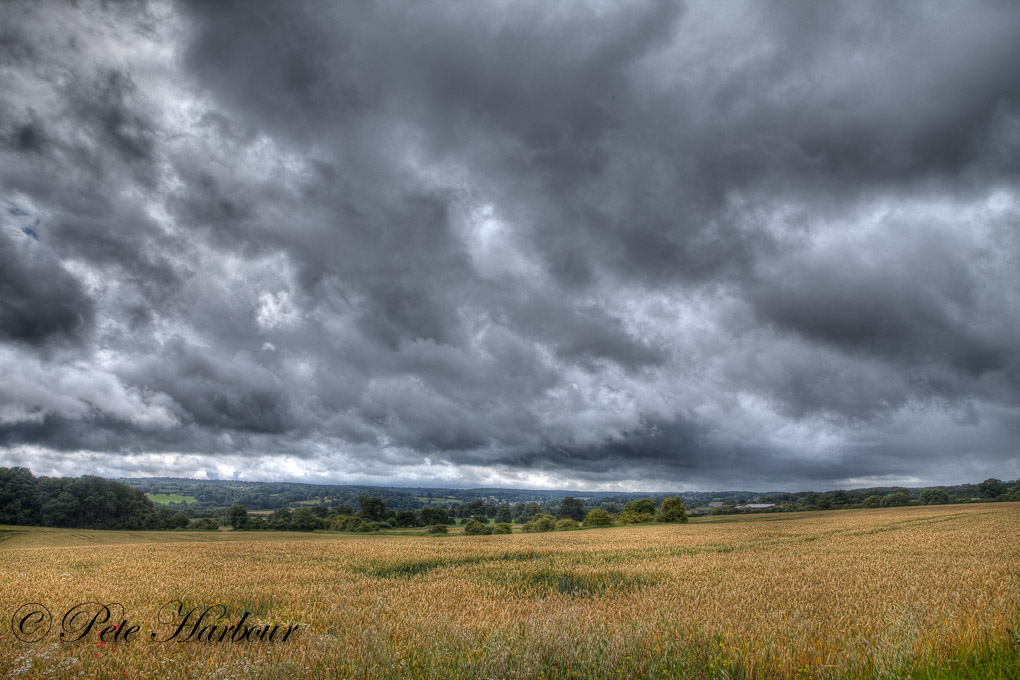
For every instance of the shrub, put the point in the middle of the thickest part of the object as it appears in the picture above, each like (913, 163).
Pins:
(345, 522)
(204, 524)
(872, 501)
(673, 510)
(540, 522)
(502, 528)
(475, 528)
(566, 524)
(437, 529)
(634, 517)
(392, 522)
(180, 520)
(365, 527)
(598, 518)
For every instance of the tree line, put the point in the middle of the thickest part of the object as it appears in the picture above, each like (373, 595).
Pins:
(91, 502)
(198, 498)
(86, 502)
(990, 490)
(372, 514)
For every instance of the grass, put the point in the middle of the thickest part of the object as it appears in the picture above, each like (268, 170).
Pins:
(167, 498)
(921, 592)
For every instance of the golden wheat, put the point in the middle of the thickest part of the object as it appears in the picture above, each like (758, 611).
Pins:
(841, 594)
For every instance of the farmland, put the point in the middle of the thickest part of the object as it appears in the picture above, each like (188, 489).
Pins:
(166, 498)
(897, 592)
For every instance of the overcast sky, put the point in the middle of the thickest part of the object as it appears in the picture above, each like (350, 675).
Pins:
(621, 245)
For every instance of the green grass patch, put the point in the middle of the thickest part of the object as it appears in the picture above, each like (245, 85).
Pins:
(408, 568)
(547, 581)
(167, 498)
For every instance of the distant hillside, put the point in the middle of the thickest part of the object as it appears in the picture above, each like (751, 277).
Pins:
(198, 493)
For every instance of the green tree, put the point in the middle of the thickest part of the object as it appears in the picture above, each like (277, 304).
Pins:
(503, 514)
(598, 518)
(895, 499)
(475, 507)
(566, 523)
(991, 488)
(61, 511)
(934, 497)
(502, 528)
(19, 503)
(673, 510)
(640, 505)
(305, 519)
(280, 519)
(813, 500)
(204, 524)
(872, 501)
(527, 512)
(434, 516)
(407, 518)
(838, 499)
(372, 509)
(571, 508)
(237, 516)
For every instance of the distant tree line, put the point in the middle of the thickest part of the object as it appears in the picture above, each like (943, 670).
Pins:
(221, 493)
(85, 502)
(97, 503)
(197, 498)
(989, 490)
(371, 514)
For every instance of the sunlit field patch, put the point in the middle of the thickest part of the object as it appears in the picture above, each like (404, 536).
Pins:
(904, 592)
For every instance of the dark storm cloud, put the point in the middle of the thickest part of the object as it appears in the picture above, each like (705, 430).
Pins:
(528, 243)
(218, 391)
(40, 301)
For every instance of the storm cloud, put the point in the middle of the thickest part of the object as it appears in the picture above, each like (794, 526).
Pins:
(593, 245)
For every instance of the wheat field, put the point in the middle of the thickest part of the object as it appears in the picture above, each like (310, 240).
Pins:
(899, 592)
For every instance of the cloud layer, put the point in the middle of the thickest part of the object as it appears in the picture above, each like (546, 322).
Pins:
(593, 245)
